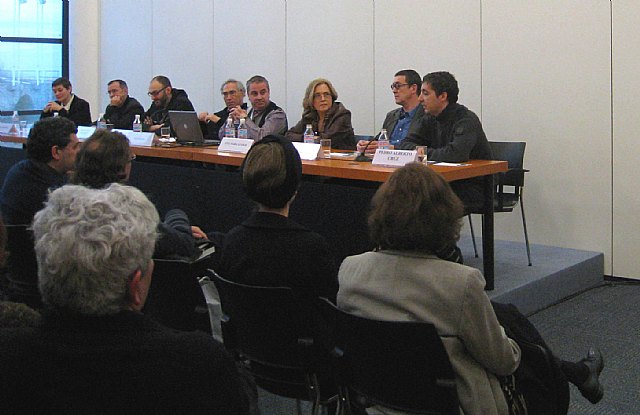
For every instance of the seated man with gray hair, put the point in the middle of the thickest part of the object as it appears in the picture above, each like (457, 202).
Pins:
(95, 352)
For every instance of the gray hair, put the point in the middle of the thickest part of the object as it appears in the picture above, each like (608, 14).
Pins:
(88, 243)
(239, 85)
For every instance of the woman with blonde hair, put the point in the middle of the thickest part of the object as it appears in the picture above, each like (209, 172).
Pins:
(328, 117)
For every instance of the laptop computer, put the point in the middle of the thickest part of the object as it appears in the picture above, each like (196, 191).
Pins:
(186, 127)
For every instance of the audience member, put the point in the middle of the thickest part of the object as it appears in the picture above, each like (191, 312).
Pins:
(265, 117)
(51, 152)
(165, 98)
(67, 104)
(18, 315)
(106, 158)
(413, 214)
(328, 117)
(269, 249)
(122, 109)
(233, 93)
(95, 352)
(398, 122)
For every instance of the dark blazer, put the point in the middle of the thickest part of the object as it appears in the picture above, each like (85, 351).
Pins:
(337, 127)
(393, 116)
(115, 364)
(122, 117)
(271, 250)
(79, 112)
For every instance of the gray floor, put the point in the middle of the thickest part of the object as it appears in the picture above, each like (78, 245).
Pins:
(607, 317)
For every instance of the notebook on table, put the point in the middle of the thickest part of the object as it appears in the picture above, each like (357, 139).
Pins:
(186, 127)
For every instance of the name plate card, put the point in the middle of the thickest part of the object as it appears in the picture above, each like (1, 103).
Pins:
(394, 158)
(85, 132)
(307, 151)
(235, 145)
(142, 139)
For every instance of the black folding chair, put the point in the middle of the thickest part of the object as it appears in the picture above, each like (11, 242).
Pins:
(175, 298)
(21, 277)
(272, 333)
(505, 200)
(397, 365)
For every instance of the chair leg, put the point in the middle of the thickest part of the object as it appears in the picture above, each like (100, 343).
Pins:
(524, 226)
(473, 236)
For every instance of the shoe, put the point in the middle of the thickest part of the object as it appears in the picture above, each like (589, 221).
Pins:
(591, 388)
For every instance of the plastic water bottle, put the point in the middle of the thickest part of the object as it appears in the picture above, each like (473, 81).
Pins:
(55, 114)
(15, 123)
(309, 136)
(101, 122)
(229, 129)
(242, 129)
(383, 140)
(137, 124)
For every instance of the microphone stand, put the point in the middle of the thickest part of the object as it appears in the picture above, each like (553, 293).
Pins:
(361, 157)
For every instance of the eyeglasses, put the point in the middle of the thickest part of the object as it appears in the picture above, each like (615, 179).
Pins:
(156, 92)
(397, 86)
(319, 95)
(232, 92)
(113, 92)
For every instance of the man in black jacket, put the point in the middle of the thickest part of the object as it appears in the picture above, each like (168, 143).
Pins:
(233, 93)
(165, 98)
(451, 132)
(122, 110)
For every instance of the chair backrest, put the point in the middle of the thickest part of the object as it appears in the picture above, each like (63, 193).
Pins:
(175, 298)
(22, 268)
(398, 365)
(264, 324)
(513, 153)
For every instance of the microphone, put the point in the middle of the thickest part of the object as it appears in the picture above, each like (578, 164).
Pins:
(361, 157)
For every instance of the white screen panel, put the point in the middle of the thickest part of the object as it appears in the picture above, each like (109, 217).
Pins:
(546, 71)
(182, 38)
(626, 147)
(438, 35)
(126, 48)
(331, 39)
(249, 40)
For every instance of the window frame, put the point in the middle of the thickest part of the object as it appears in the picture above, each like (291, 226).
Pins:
(64, 41)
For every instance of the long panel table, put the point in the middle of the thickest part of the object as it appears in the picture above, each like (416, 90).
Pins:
(348, 169)
(333, 200)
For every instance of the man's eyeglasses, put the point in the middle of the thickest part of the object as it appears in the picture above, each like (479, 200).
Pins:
(232, 92)
(397, 86)
(156, 92)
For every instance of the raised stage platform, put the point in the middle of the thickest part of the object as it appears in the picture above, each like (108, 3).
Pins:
(555, 274)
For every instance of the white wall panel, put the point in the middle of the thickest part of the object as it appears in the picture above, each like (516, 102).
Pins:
(438, 35)
(626, 134)
(126, 48)
(331, 39)
(182, 38)
(546, 72)
(249, 40)
(84, 52)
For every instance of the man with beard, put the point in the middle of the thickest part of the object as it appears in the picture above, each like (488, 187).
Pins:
(122, 109)
(165, 98)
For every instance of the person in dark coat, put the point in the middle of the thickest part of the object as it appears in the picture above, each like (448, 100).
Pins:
(67, 104)
(165, 98)
(270, 249)
(122, 109)
(95, 352)
(328, 117)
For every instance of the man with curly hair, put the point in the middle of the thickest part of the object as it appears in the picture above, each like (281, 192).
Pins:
(51, 153)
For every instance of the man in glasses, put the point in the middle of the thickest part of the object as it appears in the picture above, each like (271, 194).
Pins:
(233, 93)
(122, 109)
(398, 122)
(164, 98)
